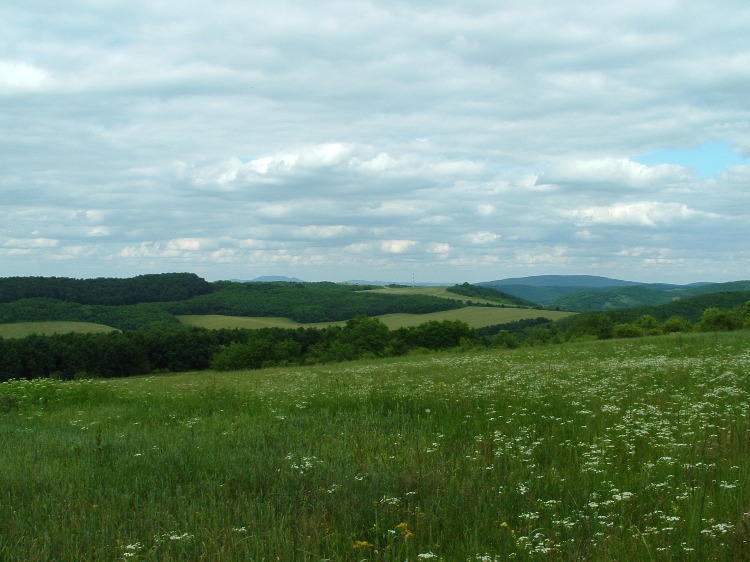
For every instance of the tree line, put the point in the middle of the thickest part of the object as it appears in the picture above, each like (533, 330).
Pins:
(122, 354)
(617, 324)
(161, 287)
(123, 317)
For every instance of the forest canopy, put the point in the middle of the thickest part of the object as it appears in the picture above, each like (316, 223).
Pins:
(161, 287)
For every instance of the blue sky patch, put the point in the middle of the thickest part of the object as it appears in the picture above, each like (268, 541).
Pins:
(707, 160)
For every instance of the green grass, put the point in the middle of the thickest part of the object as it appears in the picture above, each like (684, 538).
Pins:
(618, 450)
(23, 329)
(432, 291)
(474, 316)
(217, 321)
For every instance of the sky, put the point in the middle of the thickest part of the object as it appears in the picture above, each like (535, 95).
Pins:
(384, 140)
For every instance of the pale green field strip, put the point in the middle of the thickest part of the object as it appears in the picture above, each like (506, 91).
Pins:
(23, 329)
(441, 292)
(218, 321)
(474, 316)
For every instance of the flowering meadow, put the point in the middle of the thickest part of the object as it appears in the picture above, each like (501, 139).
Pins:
(611, 450)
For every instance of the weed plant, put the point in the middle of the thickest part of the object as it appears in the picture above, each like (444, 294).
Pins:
(620, 450)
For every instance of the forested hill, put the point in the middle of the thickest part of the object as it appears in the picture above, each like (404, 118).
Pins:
(690, 308)
(640, 295)
(306, 302)
(491, 294)
(163, 287)
(153, 301)
(586, 293)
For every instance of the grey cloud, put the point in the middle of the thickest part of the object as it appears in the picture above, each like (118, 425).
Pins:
(318, 139)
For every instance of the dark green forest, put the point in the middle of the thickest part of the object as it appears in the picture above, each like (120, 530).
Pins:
(123, 317)
(151, 339)
(691, 308)
(160, 287)
(123, 354)
(153, 301)
(619, 298)
(306, 302)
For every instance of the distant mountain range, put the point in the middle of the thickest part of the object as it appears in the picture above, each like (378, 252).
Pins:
(587, 293)
(588, 281)
(269, 279)
(282, 278)
(400, 283)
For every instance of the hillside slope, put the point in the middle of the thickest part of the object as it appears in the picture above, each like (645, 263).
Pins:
(587, 293)
(543, 289)
(639, 295)
(52, 299)
(490, 294)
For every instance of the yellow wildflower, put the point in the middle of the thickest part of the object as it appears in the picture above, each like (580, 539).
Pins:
(403, 528)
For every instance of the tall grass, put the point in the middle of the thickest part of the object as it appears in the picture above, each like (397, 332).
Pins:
(636, 450)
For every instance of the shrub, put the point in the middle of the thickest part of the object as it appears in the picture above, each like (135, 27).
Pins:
(628, 330)
(720, 320)
(505, 339)
(676, 324)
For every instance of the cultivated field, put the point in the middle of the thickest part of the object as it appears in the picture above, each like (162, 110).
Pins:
(23, 329)
(433, 291)
(618, 450)
(474, 316)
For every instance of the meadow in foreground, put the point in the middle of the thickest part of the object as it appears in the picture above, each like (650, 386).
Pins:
(618, 450)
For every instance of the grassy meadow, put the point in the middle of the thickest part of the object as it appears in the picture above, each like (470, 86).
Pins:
(23, 329)
(612, 450)
(433, 291)
(474, 316)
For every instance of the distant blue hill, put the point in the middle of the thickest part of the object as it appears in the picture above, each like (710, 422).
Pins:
(269, 279)
(588, 281)
(399, 283)
(274, 279)
(592, 293)
(543, 289)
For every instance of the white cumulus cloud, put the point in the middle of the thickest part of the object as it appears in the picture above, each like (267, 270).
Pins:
(643, 213)
(330, 140)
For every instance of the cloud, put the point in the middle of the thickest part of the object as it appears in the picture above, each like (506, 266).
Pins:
(614, 173)
(28, 243)
(19, 77)
(322, 232)
(483, 237)
(439, 248)
(643, 213)
(325, 139)
(396, 246)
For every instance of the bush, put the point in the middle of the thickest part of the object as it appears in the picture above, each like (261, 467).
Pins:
(649, 324)
(628, 330)
(676, 324)
(720, 320)
(505, 339)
